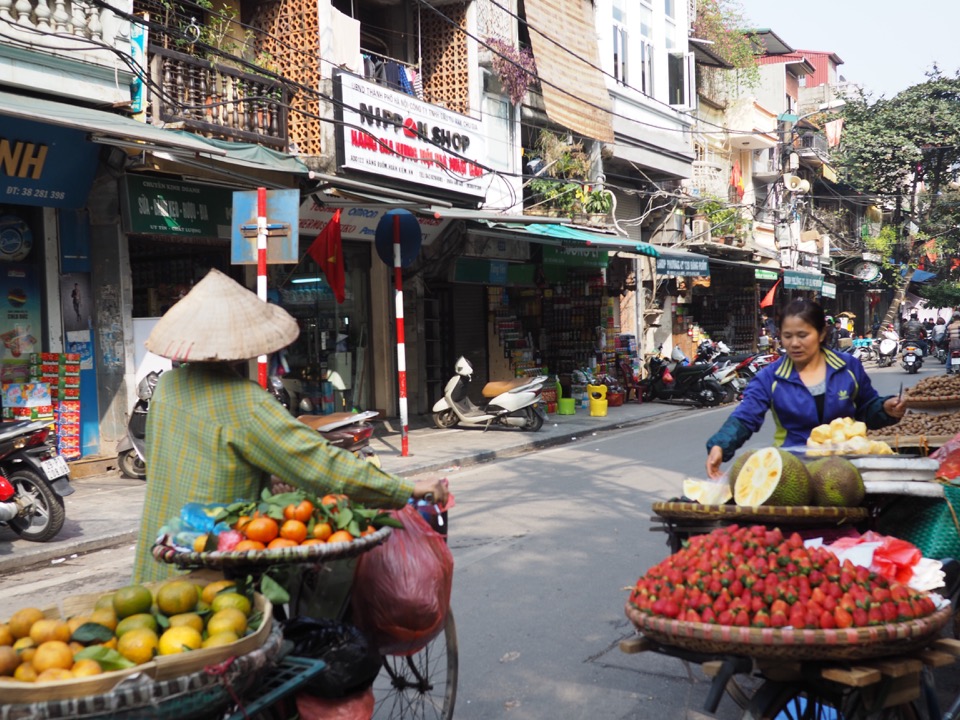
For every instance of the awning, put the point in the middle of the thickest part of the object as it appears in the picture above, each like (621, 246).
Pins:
(555, 234)
(102, 126)
(680, 263)
(568, 56)
(921, 276)
(249, 155)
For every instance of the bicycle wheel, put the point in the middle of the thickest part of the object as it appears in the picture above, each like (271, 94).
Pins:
(798, 701)
(423, 685)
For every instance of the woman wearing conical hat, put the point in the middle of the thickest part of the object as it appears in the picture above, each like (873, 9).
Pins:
(213, 436)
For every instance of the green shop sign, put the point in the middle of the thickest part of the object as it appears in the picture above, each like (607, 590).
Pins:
(574, 257)
(794, 280)
(158, 206)
(766, 274)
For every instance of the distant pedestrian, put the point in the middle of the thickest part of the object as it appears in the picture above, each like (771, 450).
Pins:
(953, 337)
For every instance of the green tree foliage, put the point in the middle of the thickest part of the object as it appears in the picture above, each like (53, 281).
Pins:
(722, 23)
(945, 294)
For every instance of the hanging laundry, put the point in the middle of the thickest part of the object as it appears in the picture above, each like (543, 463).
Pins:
(405, 84)
(392, 74)
(417, 78)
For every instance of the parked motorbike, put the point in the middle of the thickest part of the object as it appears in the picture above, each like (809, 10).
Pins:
(34, 479)
(347, 430)
(131, 452)
(911, 357)
(726, 365)
(864, 349)
(685, 382)
(887, 350)
(515, 403)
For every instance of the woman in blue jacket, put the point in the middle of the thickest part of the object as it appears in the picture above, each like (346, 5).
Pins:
(809, 386)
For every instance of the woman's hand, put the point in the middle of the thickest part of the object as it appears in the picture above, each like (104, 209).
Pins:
(714, 458)
(894, 406)
(436, 488)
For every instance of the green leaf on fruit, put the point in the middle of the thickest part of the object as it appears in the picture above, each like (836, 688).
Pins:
(344, 518)
(274, 591)
(108, 658)
(90, 633)
(385, 520)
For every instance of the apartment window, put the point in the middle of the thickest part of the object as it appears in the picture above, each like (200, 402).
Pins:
(620, 42)
(670, 9)
(670, 30)
(680, 72)
(646, 20)
(646, 68)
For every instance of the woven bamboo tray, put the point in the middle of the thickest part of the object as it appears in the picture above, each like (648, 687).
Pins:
(799, 515)
(943, 402)
(925, 442)
(783, 644)
(165, 552)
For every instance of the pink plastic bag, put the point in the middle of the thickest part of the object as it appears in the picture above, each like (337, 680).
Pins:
(358, 706)
(401, 589)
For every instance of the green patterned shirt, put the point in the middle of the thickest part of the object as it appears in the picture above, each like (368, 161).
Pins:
(215, 437)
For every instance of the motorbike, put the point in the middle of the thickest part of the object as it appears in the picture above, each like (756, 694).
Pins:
(864, 349)
(347, 430)
(34, 479)
(131, 452)
(940, 350)
(911, 357)
(685, 382)
(726, 372)
(887, 350)
(514, 403)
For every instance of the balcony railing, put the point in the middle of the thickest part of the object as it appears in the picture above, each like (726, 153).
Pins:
(814, 141)
(32, 20)
(709, 179)
(218, 100)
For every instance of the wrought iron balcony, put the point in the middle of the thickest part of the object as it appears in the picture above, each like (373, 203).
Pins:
(217, 100)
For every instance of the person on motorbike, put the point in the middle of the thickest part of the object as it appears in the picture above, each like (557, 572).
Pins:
(952, 337)
(214, 436)
(913, 331)
(832, 336)
(809, 386)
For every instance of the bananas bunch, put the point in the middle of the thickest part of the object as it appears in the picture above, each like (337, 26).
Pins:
(844, 436)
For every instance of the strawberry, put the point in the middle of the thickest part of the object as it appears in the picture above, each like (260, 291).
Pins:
(720, 605)
(811, 620)
(736, 588)
(692, 616)
(860, 617)
(927, 605)
(671, 609)
(761, 618)
(741, 619)
(833, 590)
(779, 606)
(847, 603)
(875, 615)
(757, 604)
(725, 618)
(826, 621)
(794, 541)
(889, 609)
(880, 594)
(843, 618)
(904, 611)
(708, 615)
(846, 580)
(818, 596)
(778, 619)
(816, 577)
(829, 603)
(898, 592)
(863, 575)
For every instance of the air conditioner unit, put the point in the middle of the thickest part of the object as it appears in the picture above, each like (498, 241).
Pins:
(701, 230)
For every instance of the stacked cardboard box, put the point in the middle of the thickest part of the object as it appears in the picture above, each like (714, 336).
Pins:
(27, 401)
(61, 371)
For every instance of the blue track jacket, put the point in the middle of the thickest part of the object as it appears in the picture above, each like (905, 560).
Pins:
(778, 388)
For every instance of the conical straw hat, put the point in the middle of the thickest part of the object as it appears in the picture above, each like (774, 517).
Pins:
(220, 320)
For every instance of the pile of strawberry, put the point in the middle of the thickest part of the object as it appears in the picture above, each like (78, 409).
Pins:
(753, 576)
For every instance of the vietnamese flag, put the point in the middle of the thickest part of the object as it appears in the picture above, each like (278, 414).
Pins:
(327, 251)
(768, 298)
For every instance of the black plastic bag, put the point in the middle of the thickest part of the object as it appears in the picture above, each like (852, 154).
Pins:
(352, 662)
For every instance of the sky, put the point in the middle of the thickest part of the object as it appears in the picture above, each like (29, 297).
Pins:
(886, 45)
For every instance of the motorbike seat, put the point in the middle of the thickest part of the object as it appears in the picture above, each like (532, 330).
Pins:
(695, 369)
(498, 387)
(318, 421)
(18, 427)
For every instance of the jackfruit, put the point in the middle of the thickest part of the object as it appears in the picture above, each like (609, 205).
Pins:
(835, 482)
(772, 477)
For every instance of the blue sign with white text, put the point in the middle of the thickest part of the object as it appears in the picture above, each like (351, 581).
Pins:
(45, 165)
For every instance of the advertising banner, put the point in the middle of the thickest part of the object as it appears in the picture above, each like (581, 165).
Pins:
(399, 137)
(359, 222)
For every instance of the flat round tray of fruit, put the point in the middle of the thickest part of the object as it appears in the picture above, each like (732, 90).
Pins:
(753, 591)
(279, 529)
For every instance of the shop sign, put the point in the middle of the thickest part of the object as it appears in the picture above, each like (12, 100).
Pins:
(794, 280)
(766, 275)
(682, 265)
(395, 135)
(574, 257)
(359, 223)
(158, 206)
(496, 248)
(829, 290)
(45, 165)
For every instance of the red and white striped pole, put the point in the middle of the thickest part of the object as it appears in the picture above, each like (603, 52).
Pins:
(262, 270)
(401, 343)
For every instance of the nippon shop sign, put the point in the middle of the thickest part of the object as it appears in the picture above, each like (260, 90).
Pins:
(398, 136)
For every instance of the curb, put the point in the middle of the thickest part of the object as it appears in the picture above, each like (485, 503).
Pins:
(15, 563)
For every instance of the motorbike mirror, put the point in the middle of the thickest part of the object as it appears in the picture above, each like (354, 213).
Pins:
(306, 406)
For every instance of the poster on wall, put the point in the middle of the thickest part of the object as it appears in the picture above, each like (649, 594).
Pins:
(76, 309)
(20, 321)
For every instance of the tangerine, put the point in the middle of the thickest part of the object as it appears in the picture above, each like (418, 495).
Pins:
(9, 659)
(322, 531)
(278, 543)
(139, 645)
(231, 600)
(86, 668)
(25, 673)
(189, 619)
(76, 621)
(263, 529)
(369, 530)
(179, 639)
(340, 536)
(249, 545)
(211, 590)
(52, 654)
(313, 541)
(104, 616)
(227, 620)
(224, 637)
(21, 621)
(135, 622)
(54, 675)
(6, 637)
(131, 600)
(301, 511)
(332, 500)
(200, 544)
(50, 629)
(177, 596)
(294, 530)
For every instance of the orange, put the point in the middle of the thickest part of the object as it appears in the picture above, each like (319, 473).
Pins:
(26, 655)
(177, 596)
(369, 530)
(313, 541)
(104, 616)
(210, 590)
(54, 675)
(189, 619)
(322, 531)
(301, 511)
(21, 621)
(249, 545)
(241, 522)
(227, 620)
(24, 643)
(131, 600)
(340, 536)
(294, 530)
(6, 637)
(331, 501)
(133, 622)
(75, 647)
(50, 629)
(139, 645)
(86, 668)
(53, 654)
(280, 542)
(9, 659)
(263, 529)
(224, 637)
(76, 621)
(200, 544)
(25, 673)
(231, 600)
(179, 639)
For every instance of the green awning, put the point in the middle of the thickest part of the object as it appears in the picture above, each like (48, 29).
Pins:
(102, 126)
(250, 155)
(553, 233)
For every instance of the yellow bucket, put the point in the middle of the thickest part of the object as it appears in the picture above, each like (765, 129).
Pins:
(598, 400)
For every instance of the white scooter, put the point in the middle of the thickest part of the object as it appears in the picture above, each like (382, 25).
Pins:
(887, 350)
(507, 402)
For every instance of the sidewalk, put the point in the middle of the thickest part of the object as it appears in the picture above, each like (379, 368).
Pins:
(105, 510)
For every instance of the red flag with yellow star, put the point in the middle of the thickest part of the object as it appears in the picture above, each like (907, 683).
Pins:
(327, 251)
